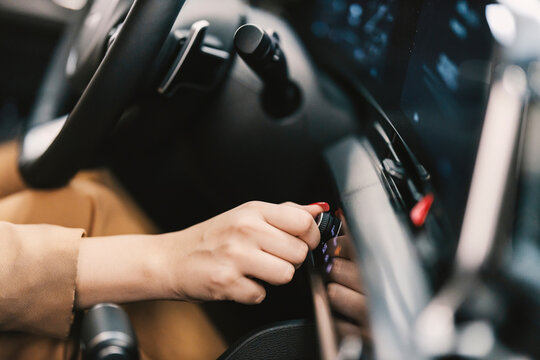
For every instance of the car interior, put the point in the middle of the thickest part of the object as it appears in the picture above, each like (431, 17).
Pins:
(418, 121)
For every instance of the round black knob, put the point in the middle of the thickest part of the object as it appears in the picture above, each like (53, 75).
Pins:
(329, 226)
(252, 42)
(262, 53)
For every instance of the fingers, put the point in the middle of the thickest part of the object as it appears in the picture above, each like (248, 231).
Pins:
(314, 209)
(294, 221)
(283, 245)
(347, 302)
(246, 291)
(255, 240)
(345, 272)
(266, 267)
(340, 247)
(345, 328)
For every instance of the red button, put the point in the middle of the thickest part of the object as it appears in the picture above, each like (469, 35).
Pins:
(420, 211)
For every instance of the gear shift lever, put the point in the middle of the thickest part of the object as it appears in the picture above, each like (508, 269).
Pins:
(262, 53)
(107, 334)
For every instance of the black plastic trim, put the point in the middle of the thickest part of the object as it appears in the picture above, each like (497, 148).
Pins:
(109, 92)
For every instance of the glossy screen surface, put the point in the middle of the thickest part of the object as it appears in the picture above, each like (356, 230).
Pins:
(445, 93)
(360, 29)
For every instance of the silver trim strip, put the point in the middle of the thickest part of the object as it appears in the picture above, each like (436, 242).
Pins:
(493, 163)
(108, 335)
(325, 325)
(198, 29)
(104, 305)
(435, 328)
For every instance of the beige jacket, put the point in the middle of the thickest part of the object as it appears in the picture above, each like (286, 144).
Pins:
(38, 262)
(38, 268)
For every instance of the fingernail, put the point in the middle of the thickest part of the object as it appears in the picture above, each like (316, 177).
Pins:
(260, 299)
(324, 205)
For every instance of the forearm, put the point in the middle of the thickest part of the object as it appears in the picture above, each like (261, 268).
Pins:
(121, 269)
(218, 259)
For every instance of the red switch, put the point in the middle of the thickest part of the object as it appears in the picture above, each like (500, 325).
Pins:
(420, 211)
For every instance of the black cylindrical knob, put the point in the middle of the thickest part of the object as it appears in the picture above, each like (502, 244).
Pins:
(107, 334)
(252, 42)
(329, 226)
(262, 53)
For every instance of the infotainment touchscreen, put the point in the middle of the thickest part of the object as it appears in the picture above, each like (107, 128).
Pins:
(359, 30)
(445, 91)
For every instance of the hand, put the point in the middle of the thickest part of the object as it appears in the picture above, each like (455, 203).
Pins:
(220, 259)
(345, 290)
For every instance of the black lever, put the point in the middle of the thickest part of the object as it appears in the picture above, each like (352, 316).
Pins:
(262, 53)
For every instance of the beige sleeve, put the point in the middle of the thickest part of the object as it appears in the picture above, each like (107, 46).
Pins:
(38, 268)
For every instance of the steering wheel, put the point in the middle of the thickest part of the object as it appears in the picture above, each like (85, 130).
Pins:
(51, 154)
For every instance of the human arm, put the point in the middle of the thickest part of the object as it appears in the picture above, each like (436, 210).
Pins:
(214, 260)
(346, 291)
(217, 259)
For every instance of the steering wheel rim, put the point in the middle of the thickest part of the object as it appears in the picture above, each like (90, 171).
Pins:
(108, 93)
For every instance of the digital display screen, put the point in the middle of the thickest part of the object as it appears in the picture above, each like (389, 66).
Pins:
(445, 94)
(361, 29)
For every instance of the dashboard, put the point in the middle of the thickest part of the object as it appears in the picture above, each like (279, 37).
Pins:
(390, 125)
(394, 119)
(425, 66)
(420, 74)
(360, 30)
(445, 94)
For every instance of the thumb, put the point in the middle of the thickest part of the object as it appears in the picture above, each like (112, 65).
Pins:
(314, 209)
(317, 208)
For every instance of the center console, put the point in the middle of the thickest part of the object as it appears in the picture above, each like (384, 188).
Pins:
(422, 72)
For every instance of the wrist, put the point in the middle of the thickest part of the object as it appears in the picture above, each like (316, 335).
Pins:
(121, 269)
(156, 265)
(171, 262)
